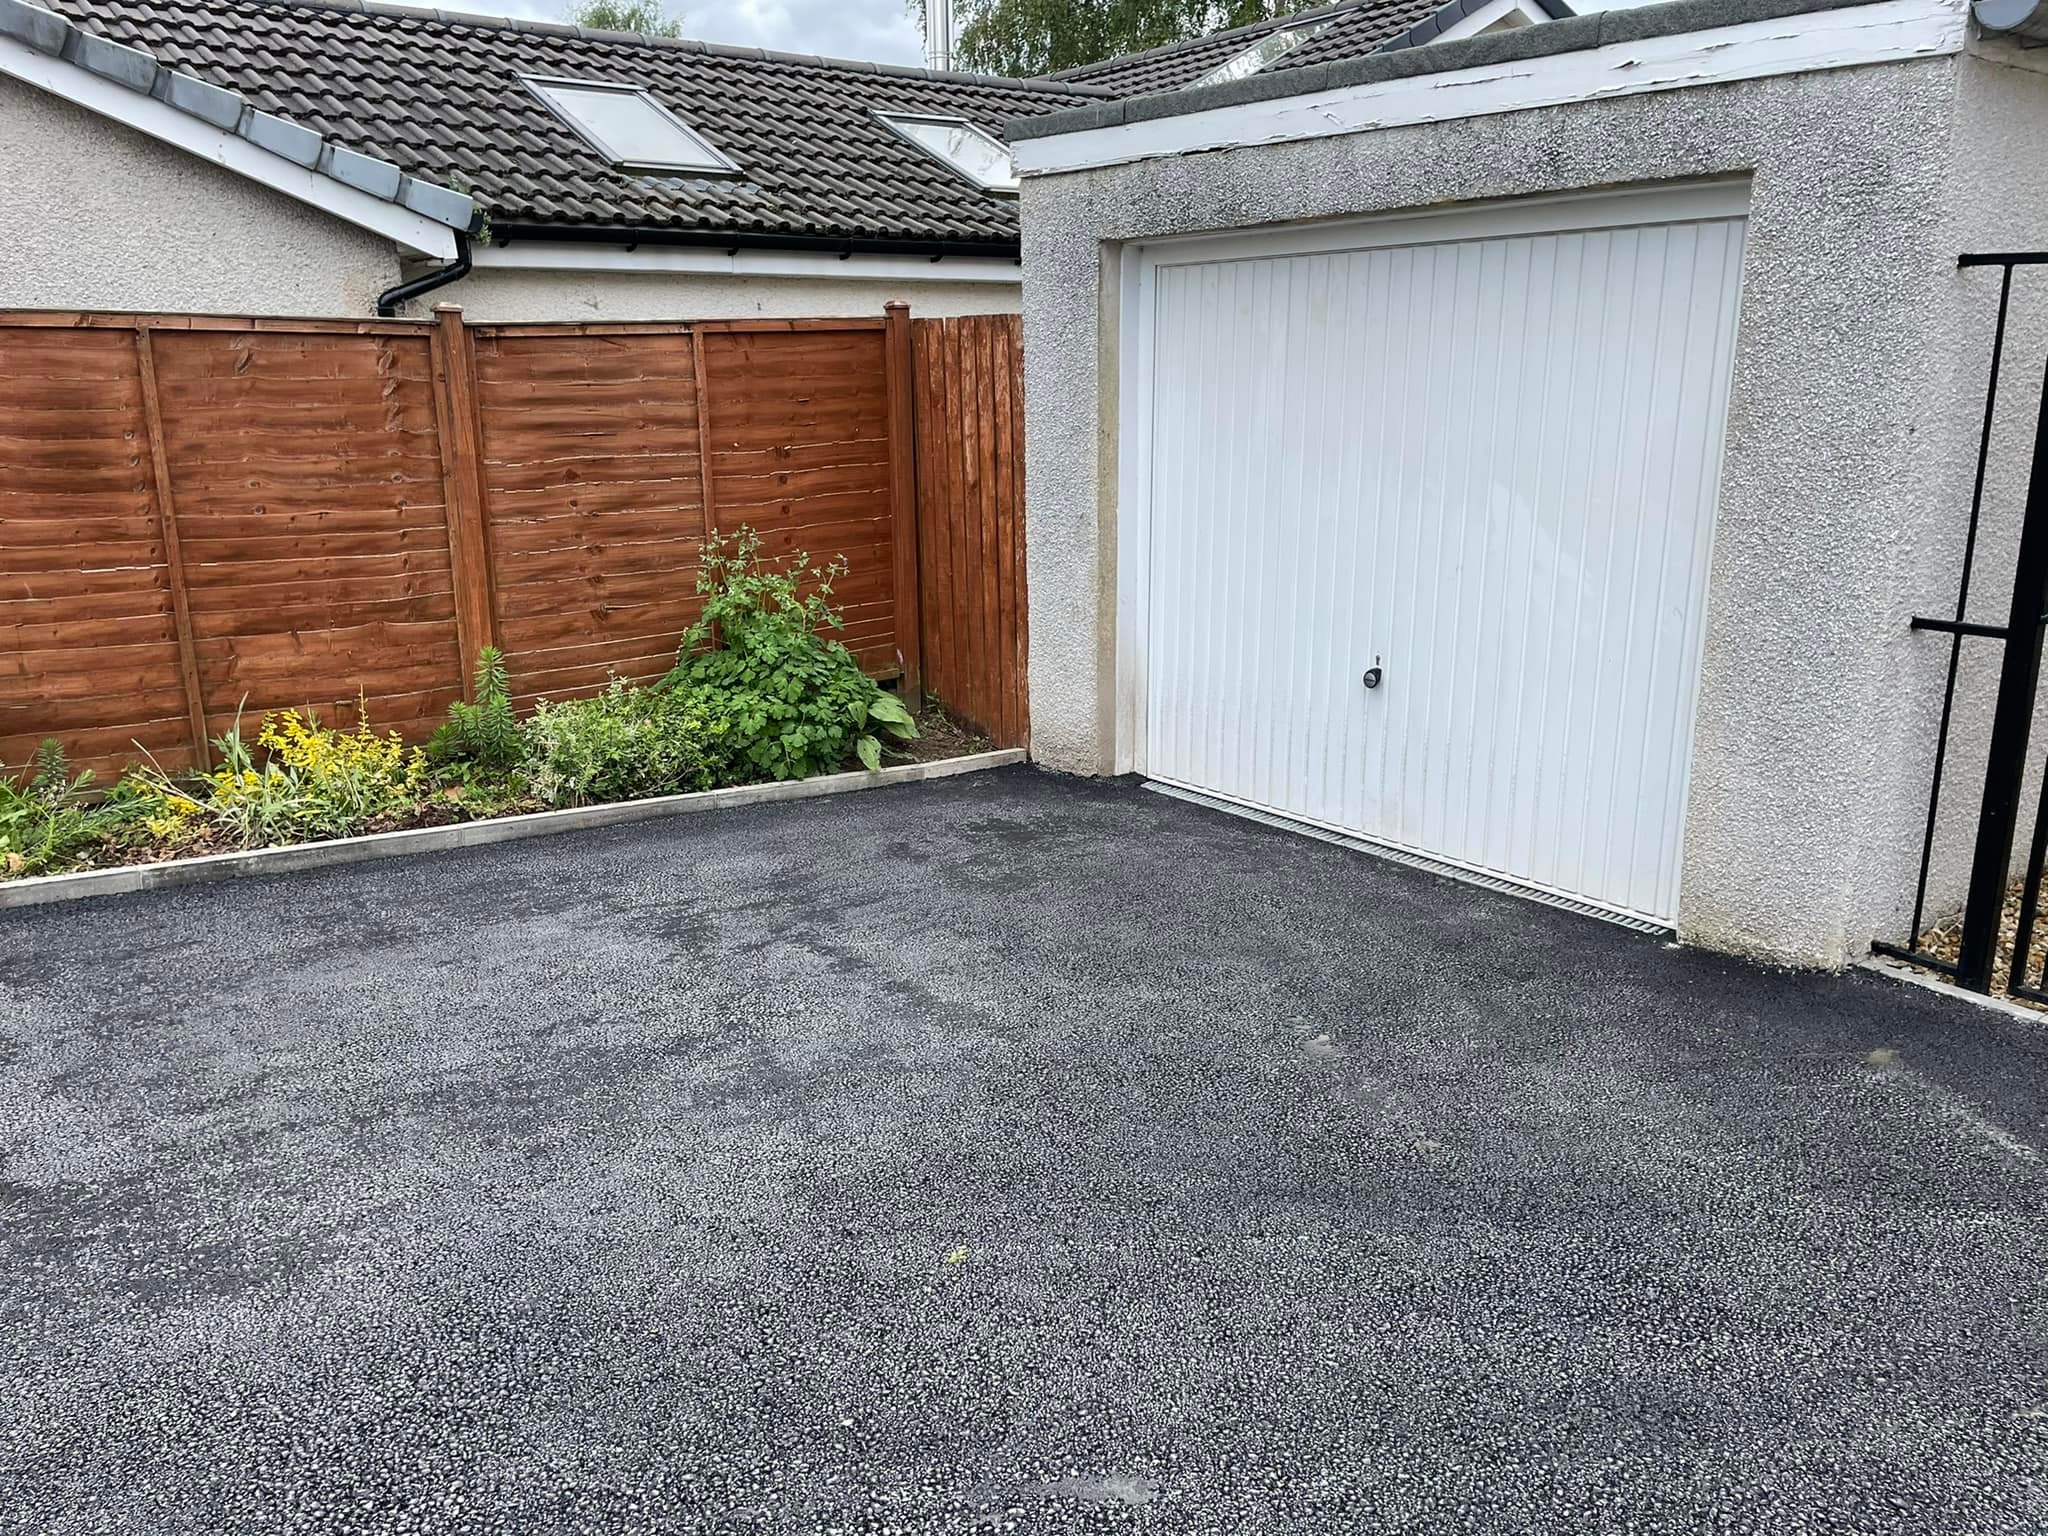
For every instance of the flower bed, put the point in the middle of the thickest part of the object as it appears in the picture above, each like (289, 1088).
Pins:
(758, 693)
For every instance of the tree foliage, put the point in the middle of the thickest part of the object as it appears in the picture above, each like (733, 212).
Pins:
(645, 16)
(1036, 37)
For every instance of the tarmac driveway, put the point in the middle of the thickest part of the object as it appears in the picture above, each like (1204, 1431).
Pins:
(1003, 1153)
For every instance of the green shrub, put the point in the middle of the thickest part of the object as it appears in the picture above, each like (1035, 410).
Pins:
(790, 703)
(624, 744)
(48, 818)
(484, 735)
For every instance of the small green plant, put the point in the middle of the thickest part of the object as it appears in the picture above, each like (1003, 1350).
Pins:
(484, 735)
(47, 817)
(624, 744)
(314, 782)
(789, 701)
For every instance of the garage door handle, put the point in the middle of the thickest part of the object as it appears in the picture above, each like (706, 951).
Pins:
(1372, 674)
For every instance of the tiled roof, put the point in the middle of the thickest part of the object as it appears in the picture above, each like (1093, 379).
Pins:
(1351, 30)
(439, 95)
(140, 71)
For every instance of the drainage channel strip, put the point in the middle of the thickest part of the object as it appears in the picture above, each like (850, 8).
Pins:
(1413, 860)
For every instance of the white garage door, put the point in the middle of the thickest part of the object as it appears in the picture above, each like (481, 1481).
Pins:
(1474, 454)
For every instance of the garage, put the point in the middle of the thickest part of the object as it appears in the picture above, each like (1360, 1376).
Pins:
(1419, 513)
(1431, 362)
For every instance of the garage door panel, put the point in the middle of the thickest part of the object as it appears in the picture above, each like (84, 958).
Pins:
(1490, 464)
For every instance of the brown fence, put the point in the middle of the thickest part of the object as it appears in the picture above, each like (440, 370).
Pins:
(970, 517)
(199, 515)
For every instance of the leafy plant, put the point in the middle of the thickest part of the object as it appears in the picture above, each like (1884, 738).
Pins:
(351, 777)
(624, 744)
(484, 735)
(314, 782)
(48, 817)
(789, 701)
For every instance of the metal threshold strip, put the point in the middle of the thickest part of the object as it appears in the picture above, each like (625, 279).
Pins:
(1421, 861)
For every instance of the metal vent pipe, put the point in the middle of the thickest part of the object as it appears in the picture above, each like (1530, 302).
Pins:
(938, 33)
(2024, 20)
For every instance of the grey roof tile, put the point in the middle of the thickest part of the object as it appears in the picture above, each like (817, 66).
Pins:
(42, 30)
(379, 178)
(208, 103)
(439, 97)
(118, 62)
(266, 130)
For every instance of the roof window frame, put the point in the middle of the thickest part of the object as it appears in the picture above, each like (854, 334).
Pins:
(723, 165)
(894, 121)
(1297, 35)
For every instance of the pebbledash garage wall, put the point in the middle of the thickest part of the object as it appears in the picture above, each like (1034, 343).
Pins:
(1855, 399)
(101, 216)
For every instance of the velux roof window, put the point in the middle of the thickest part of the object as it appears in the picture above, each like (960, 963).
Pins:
(1250, 61)
(630, 128)
(981, 157)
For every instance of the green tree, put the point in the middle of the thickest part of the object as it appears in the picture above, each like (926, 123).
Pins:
(626, 16)
(1036, 37)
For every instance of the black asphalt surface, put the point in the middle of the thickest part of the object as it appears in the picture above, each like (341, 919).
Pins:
(1004, 1153)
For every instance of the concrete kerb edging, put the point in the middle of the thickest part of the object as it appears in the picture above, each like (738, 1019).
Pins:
(1899, 970)
(43, 889)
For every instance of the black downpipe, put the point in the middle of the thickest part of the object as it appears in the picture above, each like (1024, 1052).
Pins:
(389, 300)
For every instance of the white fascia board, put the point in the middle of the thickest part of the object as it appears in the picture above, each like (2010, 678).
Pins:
(145, 114)
(1489, 15)
(575, 256)
(1882, 33)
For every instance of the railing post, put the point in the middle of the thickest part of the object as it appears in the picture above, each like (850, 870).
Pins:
(898, 364)
(462, 481)
(2011, 723)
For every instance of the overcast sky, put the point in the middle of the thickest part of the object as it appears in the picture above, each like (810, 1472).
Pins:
(841, 29)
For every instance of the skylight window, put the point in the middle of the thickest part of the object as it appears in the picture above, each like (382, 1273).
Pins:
(981, 157)
(630, 128)
(1274, 45)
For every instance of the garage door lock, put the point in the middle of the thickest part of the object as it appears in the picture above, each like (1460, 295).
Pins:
(1372, 674)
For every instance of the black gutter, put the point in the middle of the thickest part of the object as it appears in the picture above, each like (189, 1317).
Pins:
(389, 300)
(503, 233)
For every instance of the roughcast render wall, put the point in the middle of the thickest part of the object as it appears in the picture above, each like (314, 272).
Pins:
(1857, 375)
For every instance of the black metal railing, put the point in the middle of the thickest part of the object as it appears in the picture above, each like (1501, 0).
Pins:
(2019, 676)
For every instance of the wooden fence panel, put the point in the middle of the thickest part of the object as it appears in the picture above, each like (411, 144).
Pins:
(195, 511)
(970, 519)
(798, 423)
(308, 493)
(88, 639)
(594, 501)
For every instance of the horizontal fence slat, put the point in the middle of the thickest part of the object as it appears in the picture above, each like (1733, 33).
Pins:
(309, 463)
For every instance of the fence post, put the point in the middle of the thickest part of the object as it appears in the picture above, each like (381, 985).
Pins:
(700, 371)
(460, 431)
(898, 364)
(174, 551)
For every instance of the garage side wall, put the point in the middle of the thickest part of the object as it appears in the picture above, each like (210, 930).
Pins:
(98, 216)
(1998, 202)
(1834, 464)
